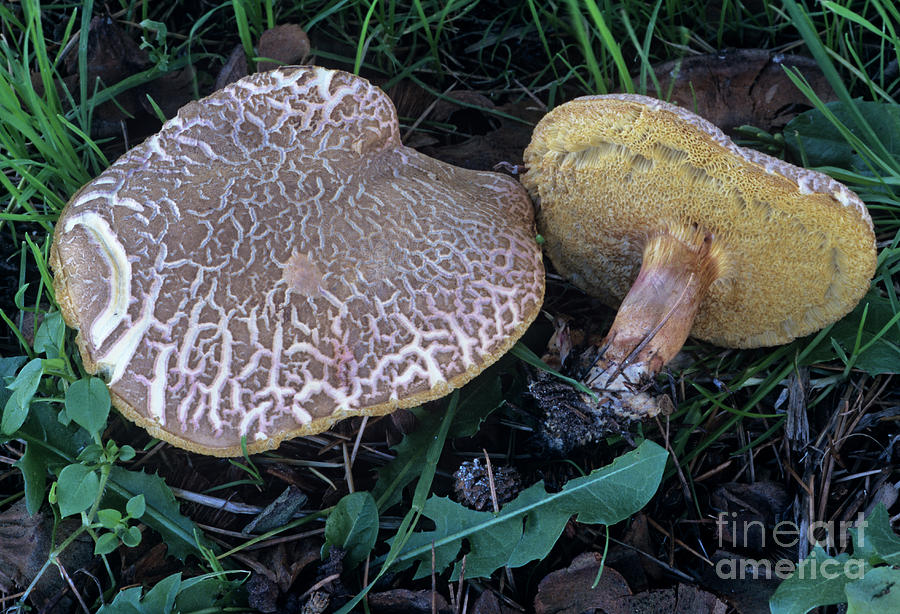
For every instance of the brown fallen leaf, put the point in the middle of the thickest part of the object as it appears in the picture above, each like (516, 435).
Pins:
(113, 55)
(568, 591)
(25, 542)
(235, 68)
(403, 601)
(684, 599)
(506, 143)
(741, 86)
(732, 577)
(489, 603)
(747, 513)
(638, 569)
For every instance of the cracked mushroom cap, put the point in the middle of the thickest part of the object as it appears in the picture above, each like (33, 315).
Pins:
(794, 250)
(275, 260)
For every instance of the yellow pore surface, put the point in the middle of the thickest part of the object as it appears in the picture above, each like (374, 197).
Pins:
(794, 249)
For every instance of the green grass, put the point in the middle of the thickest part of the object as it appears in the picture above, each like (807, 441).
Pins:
(551, 50)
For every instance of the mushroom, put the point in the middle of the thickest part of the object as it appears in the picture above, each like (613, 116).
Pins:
(655, 211)
(275, 260)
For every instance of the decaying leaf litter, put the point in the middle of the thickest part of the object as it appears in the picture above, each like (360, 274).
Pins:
(677, 529)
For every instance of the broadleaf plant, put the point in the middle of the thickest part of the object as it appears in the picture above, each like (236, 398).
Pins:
(353, 526)
(864, 580)
(526, 528)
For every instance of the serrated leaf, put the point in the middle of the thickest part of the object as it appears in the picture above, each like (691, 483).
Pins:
(814, 583)
(77, 489)
(353, 526)
(88, 403)
(812, 137)
(878, 592)
(162, 513)
(527, 528)
(881, 354)
(477, 400)
(880, 536)
(15, 410)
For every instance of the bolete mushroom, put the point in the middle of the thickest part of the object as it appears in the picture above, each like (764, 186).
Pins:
(655, 211)
(275, 260)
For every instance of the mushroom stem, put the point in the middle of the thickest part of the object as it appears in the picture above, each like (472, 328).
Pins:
(654, 319)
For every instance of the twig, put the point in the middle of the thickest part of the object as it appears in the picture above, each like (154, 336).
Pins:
(216, 502)
(348, 467)
(678, 541)
(362, 428)
(433, 582)
(318, 585)
(490, 472)
(65, 575)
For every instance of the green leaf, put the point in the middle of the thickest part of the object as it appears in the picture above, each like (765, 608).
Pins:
(49, 337)
(879, 339)
(136, 506)
(48, 445)
(88, 403)
(109, 518)
(33, 466)
(131, 537)
(65, 442)
(527, 527)
(8, 368)
(815, 140)
(204, 592)
(24, 386)
(106, 543)
(171, 594)
(878, 592)
(77, 489)
(353, 526)
(90, 454)
(162, 513)
(880, 536)
(477, 400)
(818, 580)
(161, 597)
(127, 601)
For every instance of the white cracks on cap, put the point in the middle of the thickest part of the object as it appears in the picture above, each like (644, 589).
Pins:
(278, 261)
(119, 281)
(120, 353)
(156, 391)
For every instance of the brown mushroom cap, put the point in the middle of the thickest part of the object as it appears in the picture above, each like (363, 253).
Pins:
(792, 249)
(275, 260)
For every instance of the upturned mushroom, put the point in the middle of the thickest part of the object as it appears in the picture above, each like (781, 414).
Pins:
(655, 211)
(275, 260)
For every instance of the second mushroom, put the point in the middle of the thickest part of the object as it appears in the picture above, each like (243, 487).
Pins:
(655, 211)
